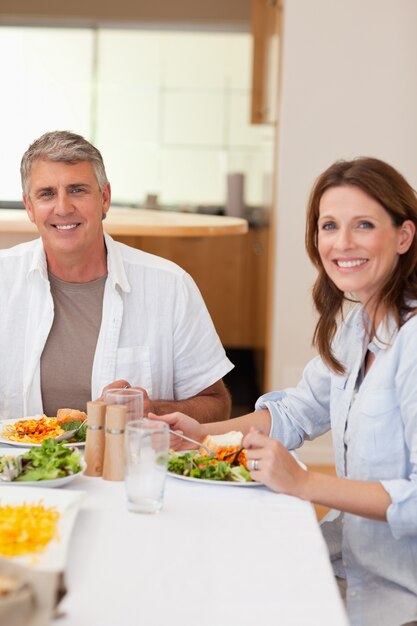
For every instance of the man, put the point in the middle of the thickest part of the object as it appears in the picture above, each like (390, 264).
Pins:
(80, 312)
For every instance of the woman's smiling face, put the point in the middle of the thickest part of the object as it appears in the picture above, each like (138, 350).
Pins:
(358, 243)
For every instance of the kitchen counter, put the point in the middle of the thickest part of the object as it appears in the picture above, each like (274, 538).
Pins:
(226, 258)
(141, 222)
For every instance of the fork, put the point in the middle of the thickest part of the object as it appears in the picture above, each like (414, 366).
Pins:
(69, 433)
(233, 454)
(194, 441)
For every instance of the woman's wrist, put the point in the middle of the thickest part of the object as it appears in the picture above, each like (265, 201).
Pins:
(306, 486)
(208, 428)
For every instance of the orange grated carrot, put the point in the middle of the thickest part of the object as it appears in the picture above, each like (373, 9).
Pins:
(26, 528)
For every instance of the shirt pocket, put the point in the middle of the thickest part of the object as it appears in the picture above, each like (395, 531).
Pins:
(134, 365)
(380, 430)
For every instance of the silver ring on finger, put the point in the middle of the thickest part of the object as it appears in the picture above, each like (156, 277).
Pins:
(254, 465)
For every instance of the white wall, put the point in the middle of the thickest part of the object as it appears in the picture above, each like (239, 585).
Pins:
(348, 88)
(168, 109)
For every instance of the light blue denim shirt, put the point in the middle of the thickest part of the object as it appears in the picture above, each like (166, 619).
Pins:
(375, 439)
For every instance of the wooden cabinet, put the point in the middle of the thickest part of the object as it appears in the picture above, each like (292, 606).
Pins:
(266, 31)
(230, 272)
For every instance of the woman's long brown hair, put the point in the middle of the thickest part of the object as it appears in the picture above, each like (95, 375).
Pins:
(389, 188)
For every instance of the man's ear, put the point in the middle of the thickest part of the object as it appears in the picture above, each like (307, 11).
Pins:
(106, 198)
(28, 207)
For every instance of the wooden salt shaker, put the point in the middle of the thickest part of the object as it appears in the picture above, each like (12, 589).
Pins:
(94, 442)
(114, 451)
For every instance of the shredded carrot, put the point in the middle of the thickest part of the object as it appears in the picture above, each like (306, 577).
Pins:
(227, 451)
(242, 459)
(26, 528)
(226, 454)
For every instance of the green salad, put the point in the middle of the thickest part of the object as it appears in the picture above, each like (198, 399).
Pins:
(80, 435)
(51, 460)
(196, 466)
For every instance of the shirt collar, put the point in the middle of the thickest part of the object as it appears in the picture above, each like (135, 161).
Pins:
(385, 333)
(38, 263)
(115, 267)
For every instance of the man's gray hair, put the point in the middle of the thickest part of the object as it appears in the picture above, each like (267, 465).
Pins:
(63, 146)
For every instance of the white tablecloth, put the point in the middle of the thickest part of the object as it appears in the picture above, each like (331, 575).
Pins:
(213, 555)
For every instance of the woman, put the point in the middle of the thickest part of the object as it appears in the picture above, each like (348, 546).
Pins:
(361, 236)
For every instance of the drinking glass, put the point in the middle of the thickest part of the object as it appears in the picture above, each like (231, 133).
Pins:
(146, 463)
(132, 399)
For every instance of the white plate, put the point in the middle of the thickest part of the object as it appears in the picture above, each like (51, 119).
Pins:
(67, 502)
(25, 444)
(228, 483)
(54, 482)
(222, 483)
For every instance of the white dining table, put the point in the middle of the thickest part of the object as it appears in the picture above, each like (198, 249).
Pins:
(215, 554)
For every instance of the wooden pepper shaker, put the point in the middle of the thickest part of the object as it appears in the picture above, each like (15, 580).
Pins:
(114, 450)
(94, 442)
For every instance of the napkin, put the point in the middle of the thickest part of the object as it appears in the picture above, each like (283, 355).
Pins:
(28, 597)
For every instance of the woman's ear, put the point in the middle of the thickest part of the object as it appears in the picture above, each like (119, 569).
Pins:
(407, 234)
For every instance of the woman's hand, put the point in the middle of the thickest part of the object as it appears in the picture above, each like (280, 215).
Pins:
(276, 467)
(185, 425)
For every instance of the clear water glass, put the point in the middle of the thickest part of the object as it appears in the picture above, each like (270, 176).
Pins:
(132, 399)
(146, 463)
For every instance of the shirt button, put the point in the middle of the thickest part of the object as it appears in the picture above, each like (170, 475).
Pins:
(352, 594)
(344, 563)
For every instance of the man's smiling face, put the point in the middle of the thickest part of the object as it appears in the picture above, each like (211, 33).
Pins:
(67, 206)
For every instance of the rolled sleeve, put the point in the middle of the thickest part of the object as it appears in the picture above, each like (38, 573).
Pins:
(402, 512)
(302, 412)
(281, 427)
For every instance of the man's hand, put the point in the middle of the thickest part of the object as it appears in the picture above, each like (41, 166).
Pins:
(209, 405)
(117, 384)
(124, 384)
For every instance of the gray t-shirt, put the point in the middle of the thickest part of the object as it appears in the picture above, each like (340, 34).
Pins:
(67, 359)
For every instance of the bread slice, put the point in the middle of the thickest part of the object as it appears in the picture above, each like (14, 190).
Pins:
(215, 443)
(70, 415)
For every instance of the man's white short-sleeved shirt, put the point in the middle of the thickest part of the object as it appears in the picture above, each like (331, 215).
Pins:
(155, 332)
